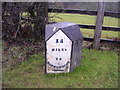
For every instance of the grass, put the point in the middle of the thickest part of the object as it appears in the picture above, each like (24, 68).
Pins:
(99, 69)
(88, 20)
(83, 19)
(104, 34)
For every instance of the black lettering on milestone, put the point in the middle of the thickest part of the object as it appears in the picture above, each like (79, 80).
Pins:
(61, 41)
(53, 49)
(60, 58)
(58, 49)
(56, 40)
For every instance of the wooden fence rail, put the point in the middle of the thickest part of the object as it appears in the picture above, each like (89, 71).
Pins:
(111, 14)
(104, 28)
(90, 12)
(93, 27)
(101, 40)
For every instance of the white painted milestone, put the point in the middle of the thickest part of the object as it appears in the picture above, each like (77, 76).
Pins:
(58, 53)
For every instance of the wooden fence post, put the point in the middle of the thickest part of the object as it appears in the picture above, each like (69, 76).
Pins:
(99, 24)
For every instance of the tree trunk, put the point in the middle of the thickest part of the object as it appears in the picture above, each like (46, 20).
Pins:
(99, 24)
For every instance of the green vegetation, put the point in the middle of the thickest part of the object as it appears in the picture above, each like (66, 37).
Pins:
(99, 69)
(83, 19)
(105, 34)
(88, 20)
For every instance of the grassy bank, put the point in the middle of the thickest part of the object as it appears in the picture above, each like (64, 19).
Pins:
(99, 69)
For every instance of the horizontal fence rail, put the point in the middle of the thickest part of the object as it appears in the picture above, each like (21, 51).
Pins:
(93, 27)
(102, 40)
(103, 28)
(90, 12)
(111, 14)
